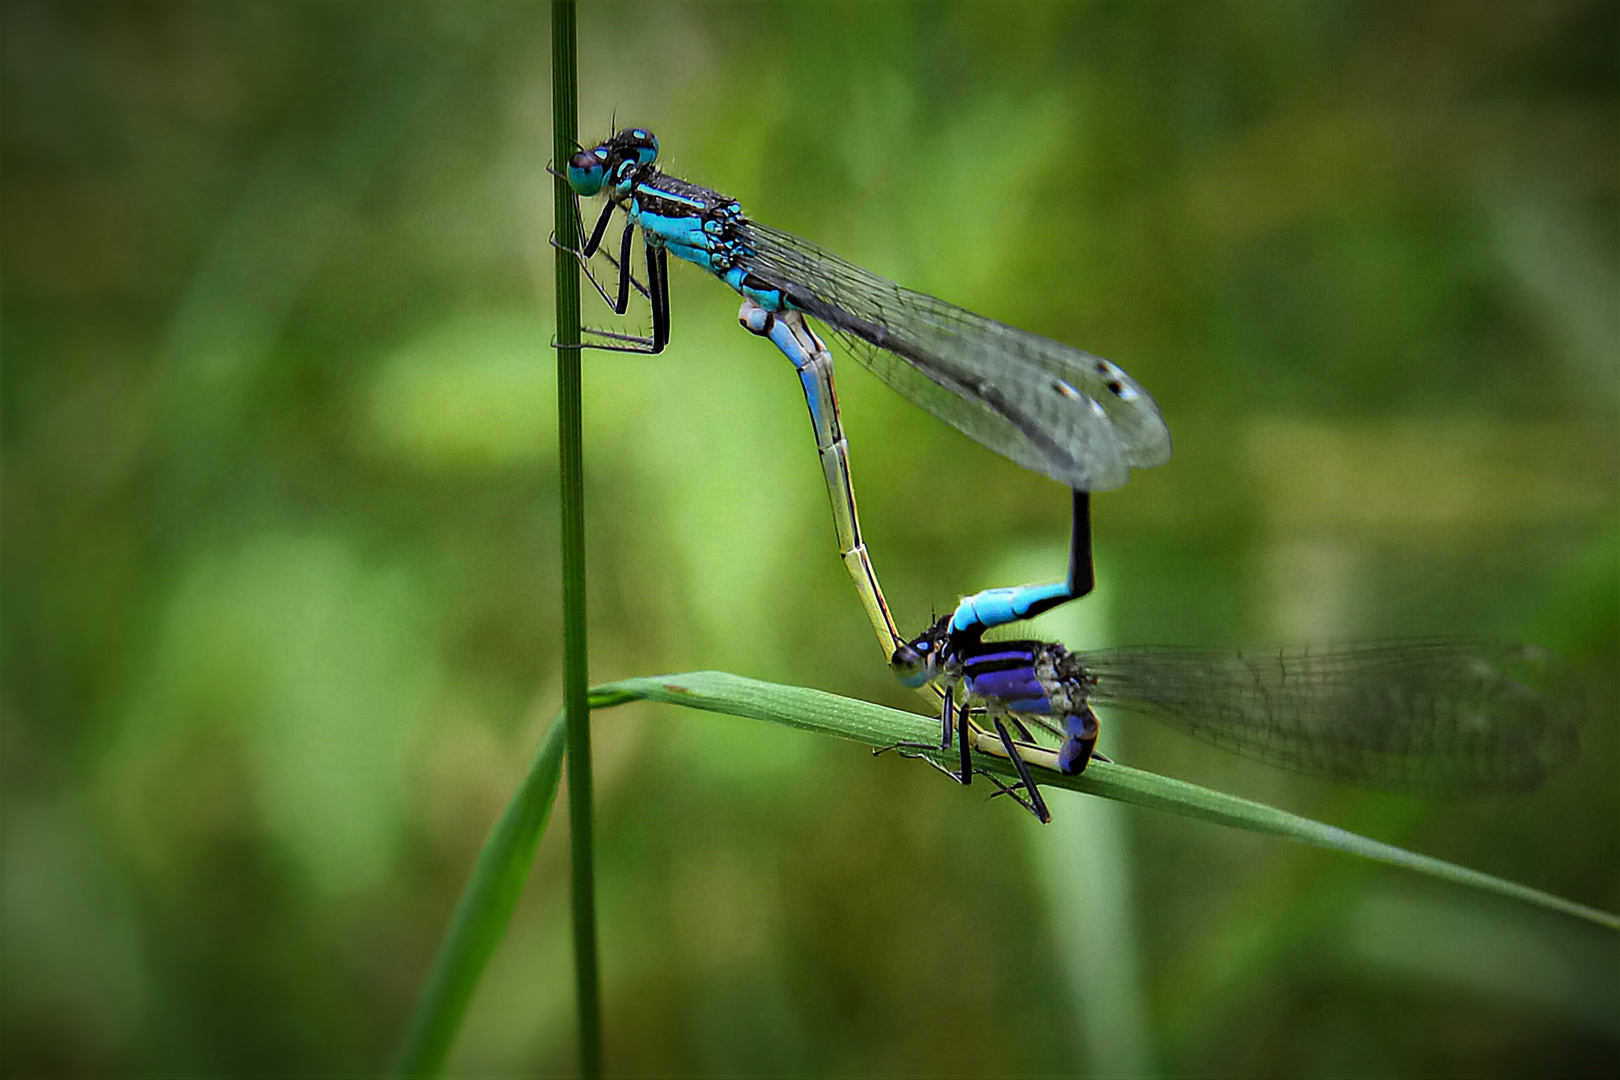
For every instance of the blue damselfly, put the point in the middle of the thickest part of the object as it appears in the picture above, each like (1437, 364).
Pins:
(1416, 715)
(1047, 406)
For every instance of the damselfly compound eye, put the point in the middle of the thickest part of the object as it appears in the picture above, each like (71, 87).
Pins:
(585, 172)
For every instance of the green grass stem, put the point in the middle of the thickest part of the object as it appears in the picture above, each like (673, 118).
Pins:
(571, 469)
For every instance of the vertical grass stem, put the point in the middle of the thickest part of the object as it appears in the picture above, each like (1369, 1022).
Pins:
(576, 671)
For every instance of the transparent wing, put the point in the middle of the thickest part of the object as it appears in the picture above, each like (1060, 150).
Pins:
(1405, 715)
(1055, 409)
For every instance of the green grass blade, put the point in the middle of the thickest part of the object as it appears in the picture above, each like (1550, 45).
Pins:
(487, 903)
(482, 913)
(876, 725)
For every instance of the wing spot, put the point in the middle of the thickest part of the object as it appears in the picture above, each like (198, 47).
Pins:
(1066, 390)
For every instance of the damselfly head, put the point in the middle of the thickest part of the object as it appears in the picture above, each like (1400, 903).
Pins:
(924, 657)
(612, 162)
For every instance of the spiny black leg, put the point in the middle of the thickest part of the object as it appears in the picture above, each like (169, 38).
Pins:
(590, 275)
(658, 294)
(646, 342)
(658, 283)
(640, 345)
(634, 284)
(1034, 804)
(919, 751)
(595, 240)
(623, 303)
(924, 751)
(621, 265)
(965, 740)
(592, 243)
(1018, 726)
(640, 350)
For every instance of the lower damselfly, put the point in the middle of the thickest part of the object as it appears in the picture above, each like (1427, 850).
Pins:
(1435, 716)
(1058, 410)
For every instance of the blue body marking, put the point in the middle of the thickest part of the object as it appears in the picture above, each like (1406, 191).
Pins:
(676, 231)
(998, 607)
(1006, 673)
(697, 256)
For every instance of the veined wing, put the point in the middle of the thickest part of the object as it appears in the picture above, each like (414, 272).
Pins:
(1049, 407)
(1406, 715)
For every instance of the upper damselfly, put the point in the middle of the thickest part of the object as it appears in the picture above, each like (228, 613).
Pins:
(1058, 410)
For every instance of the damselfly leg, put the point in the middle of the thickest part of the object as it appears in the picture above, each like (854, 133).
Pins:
(656, 291)
(592, 245)
(1034, 803)
(927, 751)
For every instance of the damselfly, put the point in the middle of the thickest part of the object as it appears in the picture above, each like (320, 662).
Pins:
(1049, 407)
(1417, 715)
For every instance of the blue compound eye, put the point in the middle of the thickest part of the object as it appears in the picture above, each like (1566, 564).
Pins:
(585, 173)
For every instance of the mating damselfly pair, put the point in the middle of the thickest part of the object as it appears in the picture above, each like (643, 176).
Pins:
(1416, 714)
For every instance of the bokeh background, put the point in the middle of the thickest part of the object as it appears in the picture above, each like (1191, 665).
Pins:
(281, 612)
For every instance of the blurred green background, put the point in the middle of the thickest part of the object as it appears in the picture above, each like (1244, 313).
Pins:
(281, 613)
